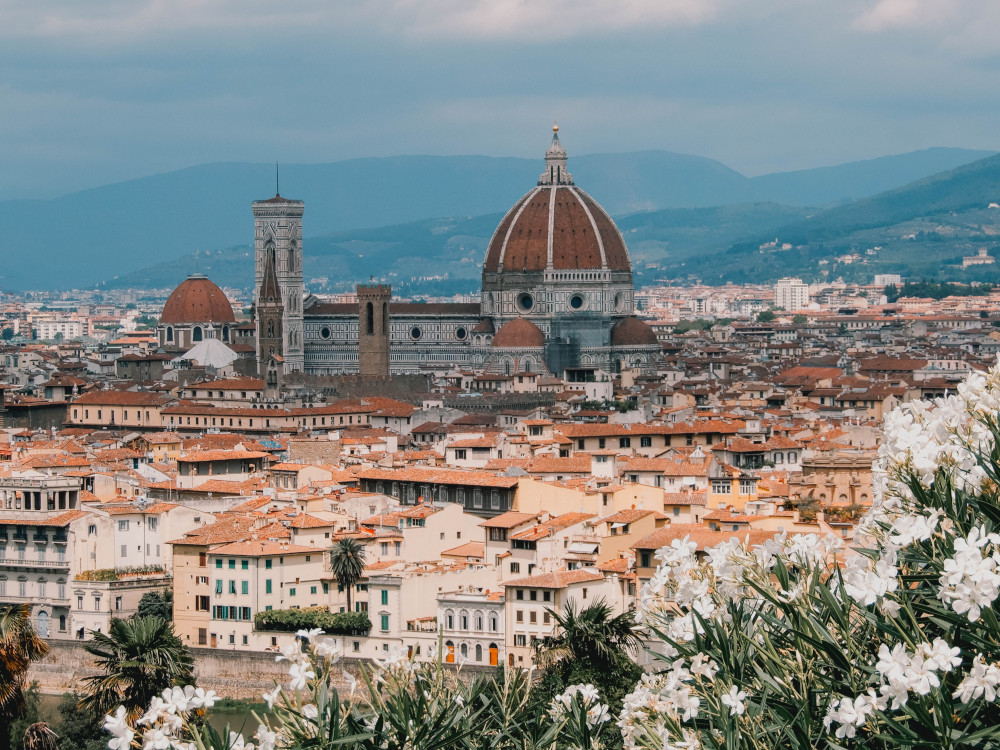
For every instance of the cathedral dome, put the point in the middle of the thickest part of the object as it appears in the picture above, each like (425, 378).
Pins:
(631, 331)
(556, 226)
(519, 334)
(197, 300)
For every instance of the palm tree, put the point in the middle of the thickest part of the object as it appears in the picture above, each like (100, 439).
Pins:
(347, 561)
(140, 657)
(591, 636)
(19, 646)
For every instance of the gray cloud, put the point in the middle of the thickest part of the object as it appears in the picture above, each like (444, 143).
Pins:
(106, 90)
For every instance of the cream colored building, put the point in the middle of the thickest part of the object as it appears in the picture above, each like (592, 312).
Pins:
(527, 601)
(256, 575)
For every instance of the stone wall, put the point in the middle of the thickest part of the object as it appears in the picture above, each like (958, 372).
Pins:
(231, 674)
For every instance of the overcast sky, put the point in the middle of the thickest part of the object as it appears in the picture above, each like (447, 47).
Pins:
(106, 90)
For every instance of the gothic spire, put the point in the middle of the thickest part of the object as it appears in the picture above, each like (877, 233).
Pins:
(269, 292)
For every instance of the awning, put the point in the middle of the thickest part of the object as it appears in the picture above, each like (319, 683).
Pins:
(583, 548)
(618, 525)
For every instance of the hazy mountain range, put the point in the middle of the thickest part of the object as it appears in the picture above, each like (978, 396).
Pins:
(381, 217)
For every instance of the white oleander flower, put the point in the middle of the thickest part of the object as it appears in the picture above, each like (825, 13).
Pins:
(735, 700)
(266, 739)
(309, 635)
(981, 681)
(310, 711)
(271, 697)
(702, 666)
(300, 675)
(851, 714)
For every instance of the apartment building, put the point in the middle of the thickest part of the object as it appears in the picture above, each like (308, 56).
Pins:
(528, 602)
(255, 575)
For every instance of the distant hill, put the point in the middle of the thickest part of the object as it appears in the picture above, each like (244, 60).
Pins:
(921, 230)
(825, 186)
(117, 230)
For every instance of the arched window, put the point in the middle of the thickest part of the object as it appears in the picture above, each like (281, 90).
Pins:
(493, 623)
(370, 319)
(479, 652)
(170, 333)
(225, 334)
(62, 622)
(464, 649)
(270, 329)
(464, 620)
(449, 619)
(196, 335)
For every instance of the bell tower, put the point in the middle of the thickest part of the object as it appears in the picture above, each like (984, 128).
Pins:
(278, 240)
(374, 330)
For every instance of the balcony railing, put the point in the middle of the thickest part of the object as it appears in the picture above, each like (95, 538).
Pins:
(20, 537)
(60, 538)
(36, 563)
(40, 537)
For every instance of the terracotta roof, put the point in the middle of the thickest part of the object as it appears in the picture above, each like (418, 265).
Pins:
(229, 528)
(618, 565)
(629, 515)
(509, 520)
(63, 519)
(577, 464)
(199, 456)
(261, 547)
(439, 476)
(556, 523)
(121, 398)
(557, 580)
(700, 535)
(197, 300)
(228, 384)
(469, 549)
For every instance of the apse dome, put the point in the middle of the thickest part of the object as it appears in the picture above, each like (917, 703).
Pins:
(195, 311)
(197, 300)
(519, 333)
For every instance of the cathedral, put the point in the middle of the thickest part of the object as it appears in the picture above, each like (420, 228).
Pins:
(557, 297)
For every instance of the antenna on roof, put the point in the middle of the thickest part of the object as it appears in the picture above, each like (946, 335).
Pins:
(277, 186)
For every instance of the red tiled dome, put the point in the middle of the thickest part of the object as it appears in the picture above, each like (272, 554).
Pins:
(583, 235)
(556, 226)
(519, 333)
(197, 300)
(631, 331)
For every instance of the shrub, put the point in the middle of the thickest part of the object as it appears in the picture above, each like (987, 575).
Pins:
(332, 623)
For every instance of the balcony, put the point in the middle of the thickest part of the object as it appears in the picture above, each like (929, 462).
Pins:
(60, 537)
(40, 536)
(27, 563)
(21, 537)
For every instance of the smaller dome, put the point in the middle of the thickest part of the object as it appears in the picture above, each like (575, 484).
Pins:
(197, 300)
(631, 331)
(519, 333)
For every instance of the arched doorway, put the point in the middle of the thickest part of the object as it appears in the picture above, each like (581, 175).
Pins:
(449, 656)
(43, 624)
(494, 655)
